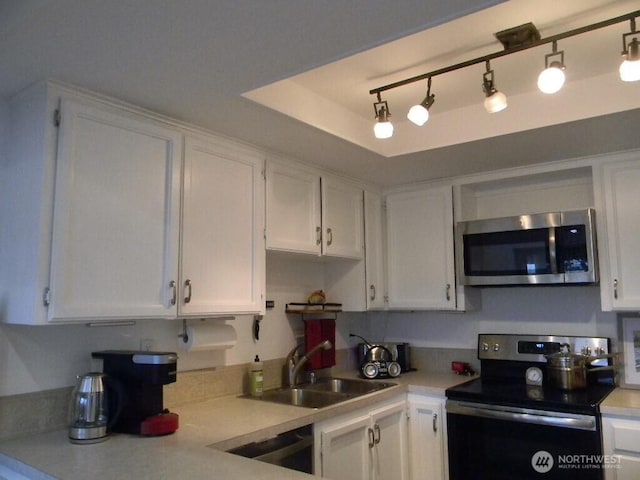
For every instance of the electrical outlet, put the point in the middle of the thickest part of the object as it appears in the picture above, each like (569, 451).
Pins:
(146, 344)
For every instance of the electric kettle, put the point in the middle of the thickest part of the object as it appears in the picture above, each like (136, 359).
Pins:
(89, 420)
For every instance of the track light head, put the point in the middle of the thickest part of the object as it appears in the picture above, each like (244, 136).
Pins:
(419, 114)
(496, 101)
(630, 67)
(552, 78)
(383, 127)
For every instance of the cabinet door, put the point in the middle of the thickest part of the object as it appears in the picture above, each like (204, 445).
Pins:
(116, 214)
(426, 438)
(342, 219)
(390, 453)
(420, 249)
(345, 452)
(293, 210)
(222, 262)
(374, 251)
(620, 283)
(621, 442)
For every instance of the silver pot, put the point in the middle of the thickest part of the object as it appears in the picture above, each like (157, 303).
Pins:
(568, 371)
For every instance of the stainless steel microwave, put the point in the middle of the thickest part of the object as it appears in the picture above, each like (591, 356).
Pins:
(547, 248)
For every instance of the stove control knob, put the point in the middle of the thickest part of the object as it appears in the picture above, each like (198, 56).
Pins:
(496, 347)
(485, 347)
(586, 350)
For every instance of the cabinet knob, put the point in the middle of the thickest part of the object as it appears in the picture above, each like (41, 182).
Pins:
(448, 292)
(187, 285)
(376, 434)
(615, 288)
(318, 235)
(329, 236)
(435, 422)
(372, 289)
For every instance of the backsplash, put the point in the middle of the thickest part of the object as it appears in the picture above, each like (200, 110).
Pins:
(33, 413)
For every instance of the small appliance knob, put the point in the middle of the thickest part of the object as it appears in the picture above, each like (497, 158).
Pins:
(496, 347)
(485, 347)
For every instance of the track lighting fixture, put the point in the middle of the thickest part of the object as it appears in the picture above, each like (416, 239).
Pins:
(630, 67)
(552, 77)
(514, 40)
(419, 114)
(496, 101)
(383, 127)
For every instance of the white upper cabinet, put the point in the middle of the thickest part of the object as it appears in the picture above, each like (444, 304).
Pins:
(222, 247)
(420, 265)
(116, 215)
(293, 210)
(374, 246)
(96, 206)
(342, 219)
(313, 214)
(618, 233)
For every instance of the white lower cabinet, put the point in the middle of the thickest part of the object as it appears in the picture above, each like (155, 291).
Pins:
(427, 435)
(369, 444)
(621, 438)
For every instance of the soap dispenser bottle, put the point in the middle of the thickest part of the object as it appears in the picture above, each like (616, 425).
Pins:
(256, 378)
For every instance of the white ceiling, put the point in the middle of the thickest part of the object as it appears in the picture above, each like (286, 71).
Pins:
(195, 59)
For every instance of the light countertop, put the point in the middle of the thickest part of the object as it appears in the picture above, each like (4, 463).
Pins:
(196, 450)
(622, 401)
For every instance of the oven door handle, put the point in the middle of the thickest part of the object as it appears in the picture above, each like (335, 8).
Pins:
(523, 415)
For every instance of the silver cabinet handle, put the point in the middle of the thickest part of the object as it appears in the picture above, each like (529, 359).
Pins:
(376, 434)
(187, 285)
(435, 422)
(372, 289)
(615, 288)
(174, 292)
(448, 292)
(372, 437)
(318, 235)
(329, 236)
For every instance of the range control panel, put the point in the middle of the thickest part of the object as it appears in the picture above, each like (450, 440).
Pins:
(533, 348)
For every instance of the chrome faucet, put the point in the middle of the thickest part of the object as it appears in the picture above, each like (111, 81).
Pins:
(294, 366)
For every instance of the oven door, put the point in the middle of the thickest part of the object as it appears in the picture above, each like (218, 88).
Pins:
(492, 442)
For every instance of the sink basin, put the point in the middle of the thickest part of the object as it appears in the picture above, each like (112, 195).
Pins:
(327, 391)
(302, 397)
(346, 385)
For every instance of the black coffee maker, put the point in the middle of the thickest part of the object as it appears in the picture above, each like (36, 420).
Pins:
(140, 376)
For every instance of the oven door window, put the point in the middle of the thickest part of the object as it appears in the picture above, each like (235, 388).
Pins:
(490, 449)
(517, 252)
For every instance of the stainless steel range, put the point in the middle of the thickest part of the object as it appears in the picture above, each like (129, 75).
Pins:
(518, 421)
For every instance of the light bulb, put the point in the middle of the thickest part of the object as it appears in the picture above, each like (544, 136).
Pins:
(551, 79)
(383, 129)
(630, 68)
(418, 114)
(495, 102)
(630, 71)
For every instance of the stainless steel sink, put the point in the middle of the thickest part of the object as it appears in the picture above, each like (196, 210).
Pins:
(346, 385)
(302, 397)
(327, 391)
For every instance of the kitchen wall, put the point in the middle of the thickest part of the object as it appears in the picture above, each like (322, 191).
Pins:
(563, 310)
(41, 358)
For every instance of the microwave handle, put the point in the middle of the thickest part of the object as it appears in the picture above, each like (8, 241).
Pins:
(552, 251)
